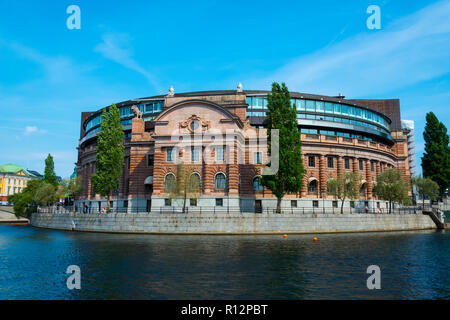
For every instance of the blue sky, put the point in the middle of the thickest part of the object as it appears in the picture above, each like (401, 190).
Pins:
(50, 74)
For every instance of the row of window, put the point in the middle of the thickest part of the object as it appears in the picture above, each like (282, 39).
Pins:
(220, 182)
(324, 107)
(313, 188)
(335, 133)
(331, 165)
(195, 155)
(145, 108)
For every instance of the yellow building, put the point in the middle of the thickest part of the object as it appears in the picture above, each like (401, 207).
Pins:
(13, 179)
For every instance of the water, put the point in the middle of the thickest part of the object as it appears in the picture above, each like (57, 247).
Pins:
(414, 265)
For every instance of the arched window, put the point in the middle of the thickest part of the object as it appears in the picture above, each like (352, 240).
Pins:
(362, 190)
(257, 184)
(220, 181)
(169, 182)
(312, 186)
(195, 184)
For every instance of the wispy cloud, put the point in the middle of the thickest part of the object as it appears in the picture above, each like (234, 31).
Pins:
(30, 130)
(117, 47)
(410, 50)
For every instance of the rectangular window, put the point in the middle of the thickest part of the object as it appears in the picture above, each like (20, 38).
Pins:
(315, 203)
(294, 203)
(352, 204)
(311, 161)
(372, 167)
(219, 202)
(344, 109)
(150, 160)
(310, 105)
(300, 104)
(347, 163)
(249, 101)
(125, 203)
(167, 202)
(328, 107)
(258, 159)
(170, 154)
(361, 165)
(193, 202)
(194, 154)
(330, 162)
(335, 204)
(111, 204)
(319, 106)
(220, 154)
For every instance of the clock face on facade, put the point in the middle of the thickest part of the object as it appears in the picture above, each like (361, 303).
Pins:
(195, 124)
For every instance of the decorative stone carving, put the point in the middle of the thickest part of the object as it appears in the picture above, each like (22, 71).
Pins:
(194, 122)
(136, 111)
(171, 92)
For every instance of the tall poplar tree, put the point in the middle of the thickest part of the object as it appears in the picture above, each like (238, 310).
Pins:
(110, 153)
(283, 117)
(436, 158)
(49, 172)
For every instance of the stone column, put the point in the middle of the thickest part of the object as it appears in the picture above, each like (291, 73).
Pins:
(340, 165)
(369, 180)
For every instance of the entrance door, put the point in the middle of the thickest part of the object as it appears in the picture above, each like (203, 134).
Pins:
(258, 206)
(149, 205)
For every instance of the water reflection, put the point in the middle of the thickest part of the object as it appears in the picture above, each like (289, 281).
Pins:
(33, 262)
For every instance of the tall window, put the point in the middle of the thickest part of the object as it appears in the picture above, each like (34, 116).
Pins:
(257, 184)
(170, 154)
(258, 159)
(169, 183)
(311, 161)
(220, 181)
(347, 163)
(220, 154)
(150, 160)
(372, 166)
(312, 186)
(195, 182)
(362, 190)
(330, 162)
(194, 154)
(361, 165)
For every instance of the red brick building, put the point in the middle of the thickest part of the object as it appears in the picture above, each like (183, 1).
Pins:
(220, 136)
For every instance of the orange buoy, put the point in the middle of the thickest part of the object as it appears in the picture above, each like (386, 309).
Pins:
(315, 239)
(285, 236)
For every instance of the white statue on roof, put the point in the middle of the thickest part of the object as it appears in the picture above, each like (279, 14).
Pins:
(171, 92)
(239, 87)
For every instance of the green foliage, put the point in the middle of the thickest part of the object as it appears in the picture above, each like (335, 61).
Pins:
(282, 116)
(345, 186)
(49, 173)
(110, 153)
(45, 194)
(436, 158)
(71, 187)
(426, 188)
(390, 186)
(185, 186)
(23, 202)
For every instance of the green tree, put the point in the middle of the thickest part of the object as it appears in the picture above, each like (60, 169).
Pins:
(345, 186)
(436, 158)
(426, 188)
(390, 186)
(71, 187)
(187, 184)
(110, 153)
(23, 202)
(282, 116)
(45, 194)
(49, 172)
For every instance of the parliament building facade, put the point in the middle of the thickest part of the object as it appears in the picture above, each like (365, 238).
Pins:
(220, 136)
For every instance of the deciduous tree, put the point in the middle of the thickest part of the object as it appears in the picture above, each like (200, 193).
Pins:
(390, 186)
(345, 186)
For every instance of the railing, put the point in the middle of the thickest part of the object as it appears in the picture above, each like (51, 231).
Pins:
(229, 210)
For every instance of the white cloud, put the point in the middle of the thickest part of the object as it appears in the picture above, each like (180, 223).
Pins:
(116, 47)
(410, 50)
(31, 130)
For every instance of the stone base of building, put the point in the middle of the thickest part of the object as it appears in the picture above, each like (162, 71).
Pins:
(223, 223)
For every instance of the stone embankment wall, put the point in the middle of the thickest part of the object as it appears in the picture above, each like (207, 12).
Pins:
(231, 223)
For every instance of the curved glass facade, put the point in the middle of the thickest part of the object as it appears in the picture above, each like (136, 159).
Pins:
(321, 110)
(125, 112)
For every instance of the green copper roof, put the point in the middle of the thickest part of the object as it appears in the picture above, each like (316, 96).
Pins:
(13, 168)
